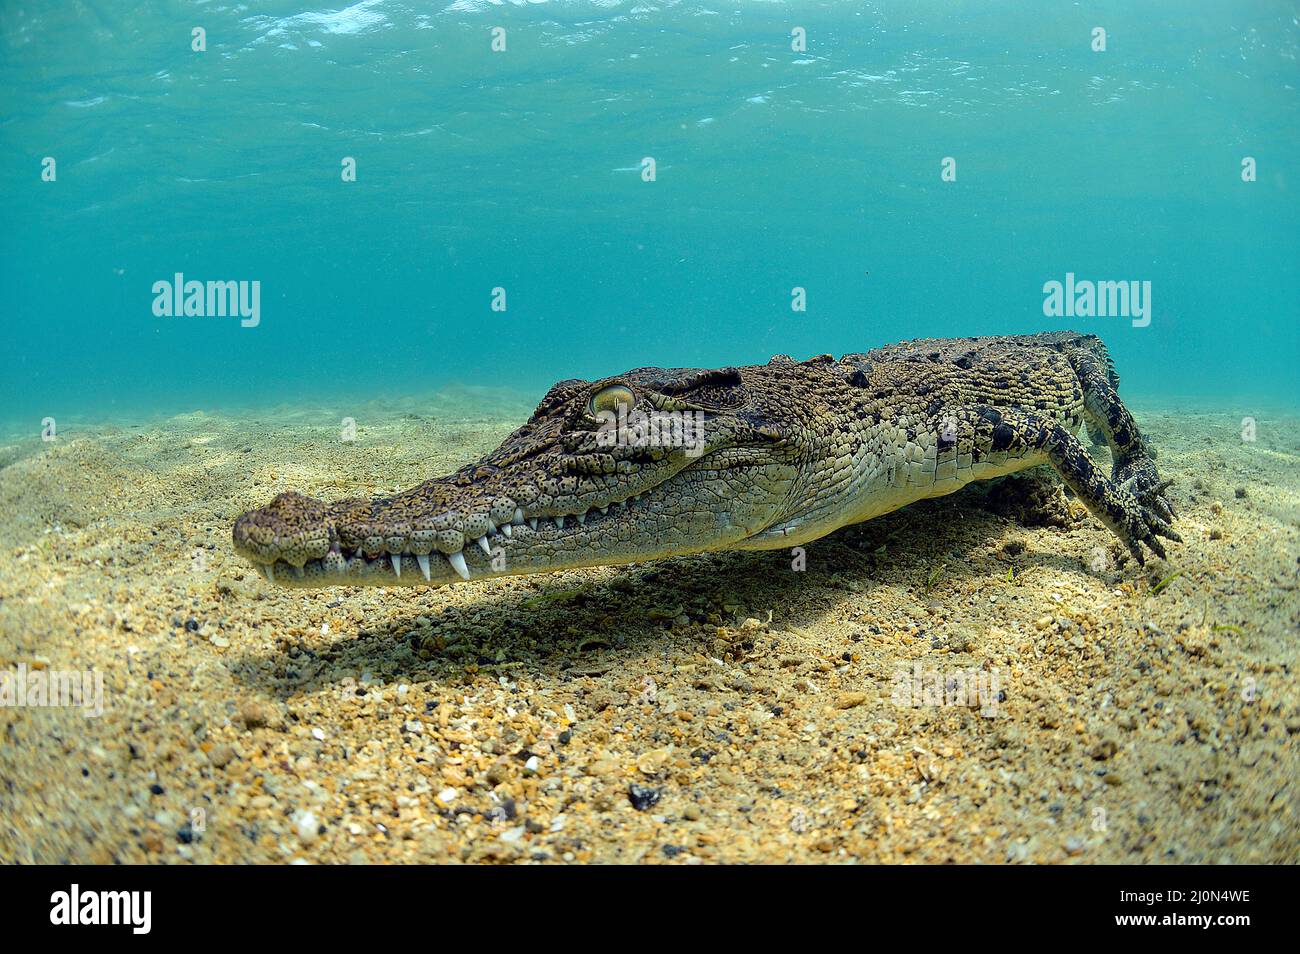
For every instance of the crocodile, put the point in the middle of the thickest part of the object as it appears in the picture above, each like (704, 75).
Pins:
(657, 463)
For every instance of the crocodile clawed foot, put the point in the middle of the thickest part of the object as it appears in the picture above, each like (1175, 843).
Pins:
(1153, 498)
(1143, 524)
(1140, 478)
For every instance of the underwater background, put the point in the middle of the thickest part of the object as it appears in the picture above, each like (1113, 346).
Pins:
(521, 169)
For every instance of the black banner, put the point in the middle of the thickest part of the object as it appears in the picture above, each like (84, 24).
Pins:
(930, 905)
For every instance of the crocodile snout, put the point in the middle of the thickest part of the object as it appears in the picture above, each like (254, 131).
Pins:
(293, 527)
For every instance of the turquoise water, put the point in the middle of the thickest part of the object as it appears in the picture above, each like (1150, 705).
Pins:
(522, 169)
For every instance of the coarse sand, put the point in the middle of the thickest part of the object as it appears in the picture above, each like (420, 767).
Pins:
(984, 677)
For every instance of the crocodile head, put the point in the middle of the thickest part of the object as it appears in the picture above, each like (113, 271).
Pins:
(648, 464)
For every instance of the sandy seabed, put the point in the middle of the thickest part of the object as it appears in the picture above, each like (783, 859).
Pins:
(709, 709)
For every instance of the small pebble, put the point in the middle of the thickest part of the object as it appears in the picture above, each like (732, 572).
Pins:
(253, 714)
(306, 826)
(642, 797)
(221, 755)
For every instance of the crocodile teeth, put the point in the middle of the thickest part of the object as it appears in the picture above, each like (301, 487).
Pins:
(532, 522)
(270, 574)
(492, 527)
(299, 572)
(484, 545)
(396, 560)
(423, 560)
(559, 522)
(457, 561)
(518, 519)
(507, 529)
(582, 518)
(603, 510)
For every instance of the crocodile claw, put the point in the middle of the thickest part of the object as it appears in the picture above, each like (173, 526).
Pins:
(1144, 523)
(1140, 478)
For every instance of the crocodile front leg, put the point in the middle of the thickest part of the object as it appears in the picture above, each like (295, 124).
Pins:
(1131, 518)
(1133, 458)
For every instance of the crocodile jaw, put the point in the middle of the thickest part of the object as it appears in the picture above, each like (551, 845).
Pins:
(683, 514)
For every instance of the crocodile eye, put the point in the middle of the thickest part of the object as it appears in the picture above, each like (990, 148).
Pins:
(609, 399)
